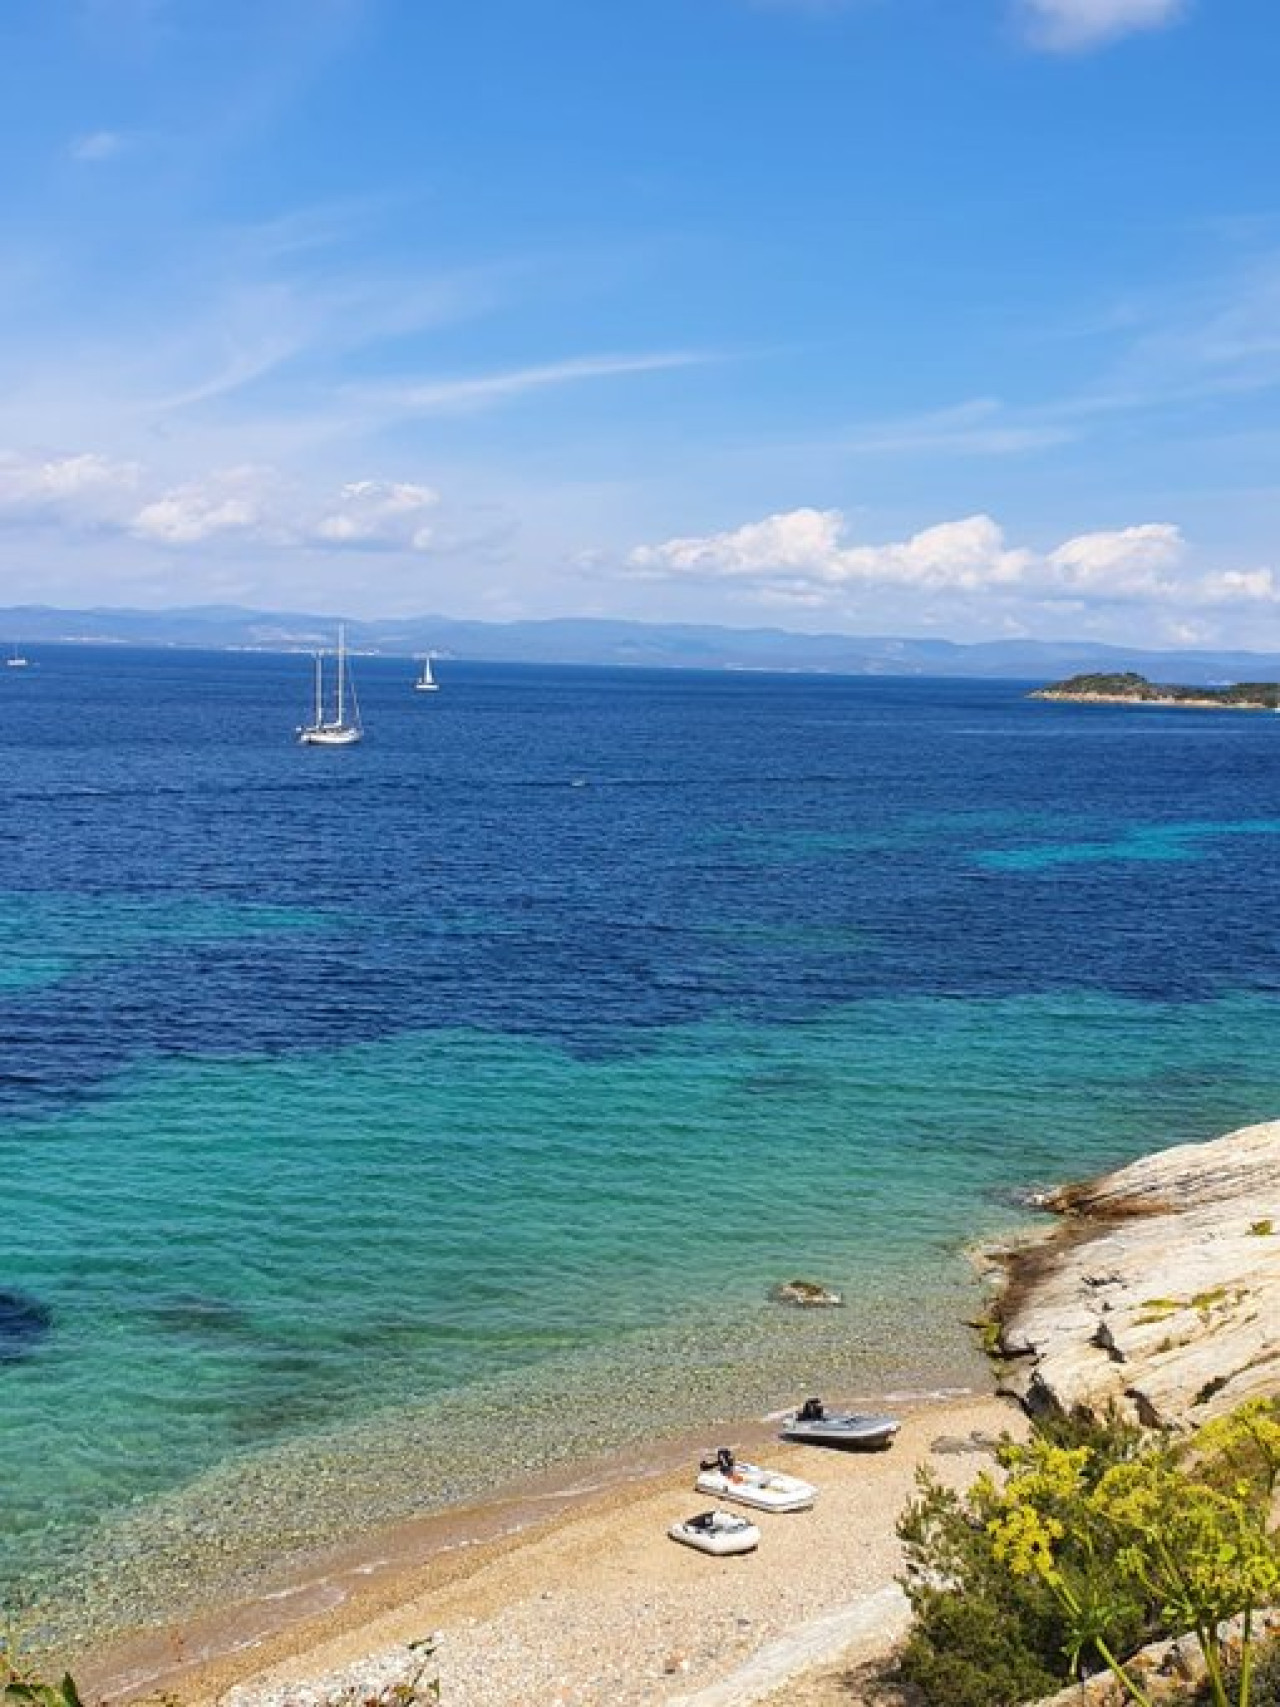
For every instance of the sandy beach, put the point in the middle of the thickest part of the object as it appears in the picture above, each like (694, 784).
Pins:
(569, 1593)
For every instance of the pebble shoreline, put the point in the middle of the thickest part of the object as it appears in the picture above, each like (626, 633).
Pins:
(595, 1607)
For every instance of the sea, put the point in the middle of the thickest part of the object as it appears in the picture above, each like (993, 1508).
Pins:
(381, 1124)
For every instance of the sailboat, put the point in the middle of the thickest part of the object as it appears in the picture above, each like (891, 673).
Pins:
(336, 722)
(17, 661)
(426, 682)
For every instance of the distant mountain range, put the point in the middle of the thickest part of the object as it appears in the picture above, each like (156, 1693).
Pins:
(584, 640)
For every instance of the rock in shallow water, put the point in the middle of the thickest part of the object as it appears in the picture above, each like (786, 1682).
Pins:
(806, 1295)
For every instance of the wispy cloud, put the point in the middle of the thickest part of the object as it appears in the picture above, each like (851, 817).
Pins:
(483, 391)
(1178, 356)
(980, 426)
(1070, 26)
(98, 145)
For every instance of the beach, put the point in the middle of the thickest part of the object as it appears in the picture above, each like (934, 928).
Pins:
(571, 1594)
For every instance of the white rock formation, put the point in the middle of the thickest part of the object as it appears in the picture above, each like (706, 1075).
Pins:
(1159, 1292)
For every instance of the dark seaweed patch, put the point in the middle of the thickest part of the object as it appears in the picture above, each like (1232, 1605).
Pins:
(24, 1322)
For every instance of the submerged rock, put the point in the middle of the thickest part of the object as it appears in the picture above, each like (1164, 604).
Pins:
(807, 1295)
(1159, 1290)
(24, 1322)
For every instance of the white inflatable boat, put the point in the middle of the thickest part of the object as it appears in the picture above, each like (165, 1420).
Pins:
(729, 1478)
(717, 1532)
(815, 1425)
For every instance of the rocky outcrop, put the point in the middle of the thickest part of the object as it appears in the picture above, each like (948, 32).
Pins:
(1158, 1292)
(1166, 1670)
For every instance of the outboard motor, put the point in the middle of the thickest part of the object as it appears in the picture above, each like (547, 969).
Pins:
(810, 1412)
(724, 1461)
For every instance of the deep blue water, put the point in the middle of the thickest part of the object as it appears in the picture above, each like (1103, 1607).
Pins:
(517, 1051)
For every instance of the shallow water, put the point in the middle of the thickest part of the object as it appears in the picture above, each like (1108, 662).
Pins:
(378, 1123)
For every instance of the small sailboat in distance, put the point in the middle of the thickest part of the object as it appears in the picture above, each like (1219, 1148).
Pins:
(336, 722)
(426, 682)
(16, 661)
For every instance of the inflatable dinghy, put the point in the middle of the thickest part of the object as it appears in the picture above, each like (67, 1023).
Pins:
(815, 1425)
(747, 1484)
(717, 1532)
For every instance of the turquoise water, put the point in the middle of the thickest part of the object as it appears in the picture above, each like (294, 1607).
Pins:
(371, 1134)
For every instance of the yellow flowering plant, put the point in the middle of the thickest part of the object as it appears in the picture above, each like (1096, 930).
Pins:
(1186, 1532)
(991, 1627)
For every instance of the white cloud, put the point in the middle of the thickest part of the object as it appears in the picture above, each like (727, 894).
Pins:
(98, 145)
(1126, 561)
(86, 488)
(1240, 586)
(805, 557)
(800, 541)
(252, 501)
(1066, 26)
(229, 502)
(259, 504)
(382, 513)
(966, 554)
(806, 548)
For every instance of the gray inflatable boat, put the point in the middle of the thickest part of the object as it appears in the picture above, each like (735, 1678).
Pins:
(816, 1425)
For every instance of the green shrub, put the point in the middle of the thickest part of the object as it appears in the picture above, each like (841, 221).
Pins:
(1095, 1542)
(981, 1635)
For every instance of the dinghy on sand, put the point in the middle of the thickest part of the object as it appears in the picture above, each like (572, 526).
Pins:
(815, 1425)
(717, 1532)
(747, 1484)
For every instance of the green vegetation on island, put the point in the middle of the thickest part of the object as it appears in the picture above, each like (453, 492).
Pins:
(1126, 686)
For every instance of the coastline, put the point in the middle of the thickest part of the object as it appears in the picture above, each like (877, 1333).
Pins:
(1179, 702)
(567, 1588)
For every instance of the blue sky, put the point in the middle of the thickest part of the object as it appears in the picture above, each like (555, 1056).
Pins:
(954, 317)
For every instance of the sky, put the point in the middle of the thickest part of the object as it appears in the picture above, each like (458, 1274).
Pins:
(954, 318)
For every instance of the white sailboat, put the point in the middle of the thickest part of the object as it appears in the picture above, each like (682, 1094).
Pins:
(426, 682)
(336, 722)
(16, 661)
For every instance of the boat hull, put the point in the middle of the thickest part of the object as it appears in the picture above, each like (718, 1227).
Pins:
(339, 737)
(719, 1533)
(765, 1490)
(852, 1430)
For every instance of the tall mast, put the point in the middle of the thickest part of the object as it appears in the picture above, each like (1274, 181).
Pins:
(319, 717)
(342, 665)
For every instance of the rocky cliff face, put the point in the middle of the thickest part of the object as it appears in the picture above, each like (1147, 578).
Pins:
(1158, 1291)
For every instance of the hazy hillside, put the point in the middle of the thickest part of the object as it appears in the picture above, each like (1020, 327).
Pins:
(571, 640)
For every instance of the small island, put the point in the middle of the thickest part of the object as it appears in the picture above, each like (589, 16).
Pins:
(1126, 687)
